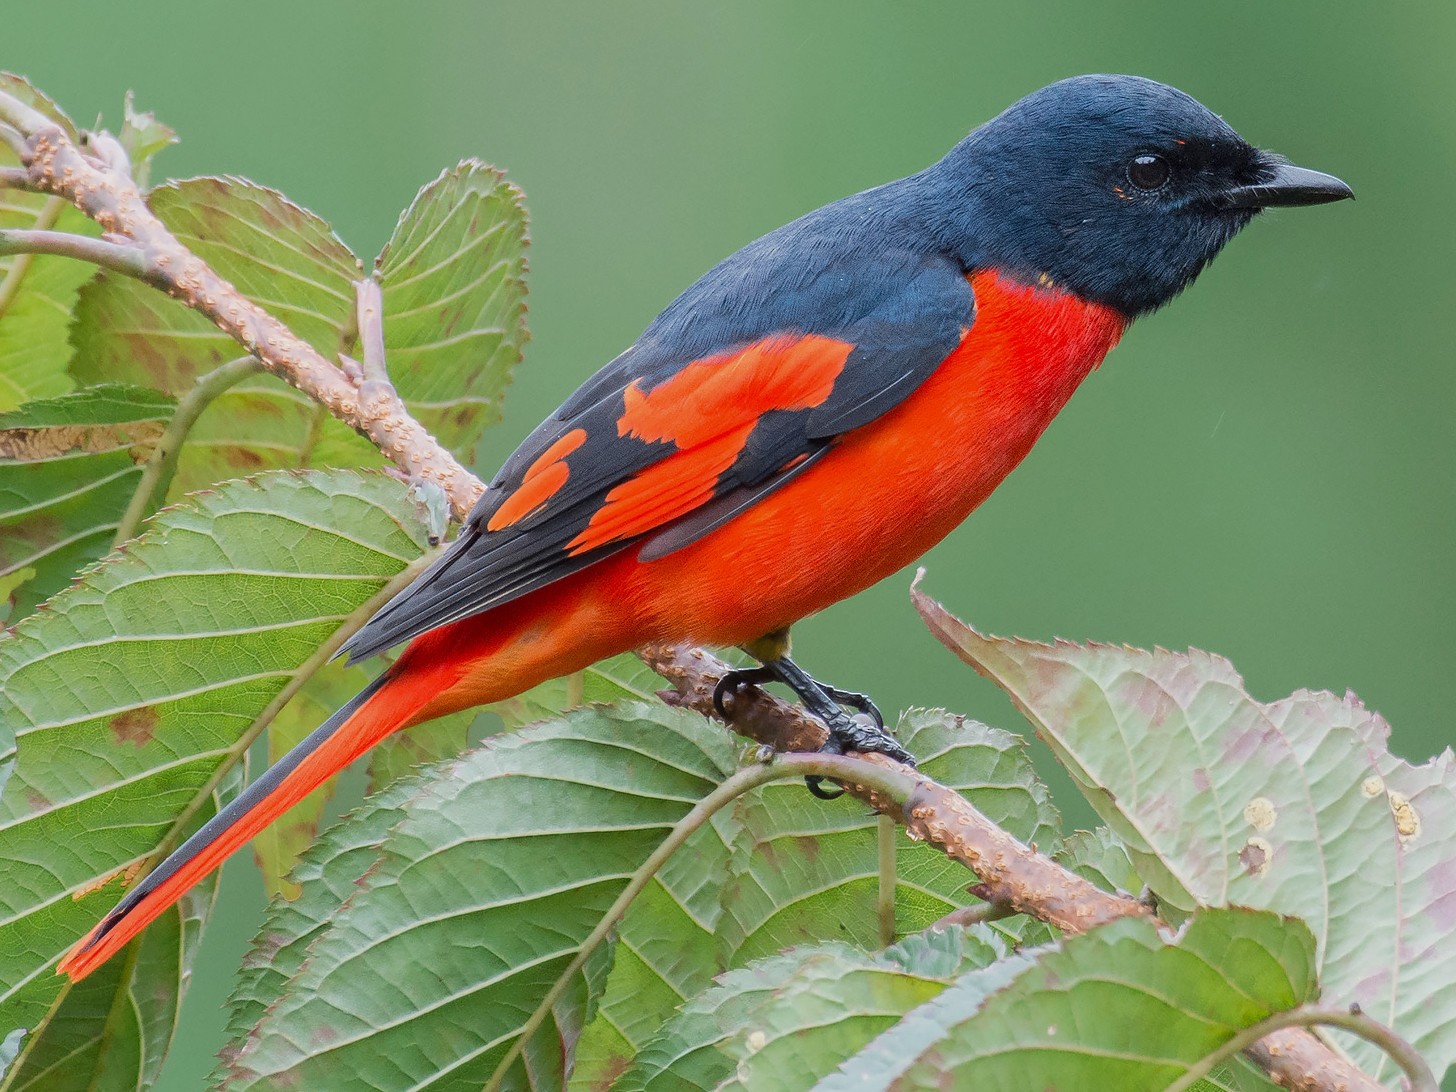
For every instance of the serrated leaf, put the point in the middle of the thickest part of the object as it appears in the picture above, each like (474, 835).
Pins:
(453, 279)
(1117, 1007)
(38, 295)
(1297, 806)
(667, 946)
(1099, 857)
(807, 870)
(782, 1022)
(68, 467)
(22, 89)
(278, 255)
(138, 684)
(482, 891)
(112, 1032)
(327, 873)
(142, 136)
(620, 678)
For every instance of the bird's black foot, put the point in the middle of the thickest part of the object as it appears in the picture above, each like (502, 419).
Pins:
(864, 733)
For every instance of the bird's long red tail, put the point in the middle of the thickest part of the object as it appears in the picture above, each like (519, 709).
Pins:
(372, 714)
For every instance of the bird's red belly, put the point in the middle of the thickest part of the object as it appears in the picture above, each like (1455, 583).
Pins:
(890, 490)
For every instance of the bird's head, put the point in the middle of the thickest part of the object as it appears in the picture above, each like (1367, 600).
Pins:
(1117, 188)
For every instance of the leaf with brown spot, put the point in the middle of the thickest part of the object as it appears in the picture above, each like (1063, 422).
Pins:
(278, 255)
(135, 726)
(1295, 805)
(131, 693)
(68, 468)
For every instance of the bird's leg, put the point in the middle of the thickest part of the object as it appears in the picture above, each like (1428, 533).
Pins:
(863, 733)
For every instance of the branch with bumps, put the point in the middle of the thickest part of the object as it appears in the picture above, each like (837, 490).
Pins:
(97, 179)
(137, 244)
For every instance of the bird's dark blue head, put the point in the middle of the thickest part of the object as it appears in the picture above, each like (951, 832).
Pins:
(1117, 188)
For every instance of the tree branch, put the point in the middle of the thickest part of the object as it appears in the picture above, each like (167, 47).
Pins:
(101, 188)
(1013, 876)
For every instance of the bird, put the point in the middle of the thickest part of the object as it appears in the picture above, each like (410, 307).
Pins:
(807, 418)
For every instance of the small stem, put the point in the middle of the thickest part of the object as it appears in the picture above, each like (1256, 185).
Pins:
(1400, 1051)
(162, 465)
(575, 689)
(45, 219)
(979, 914)
(885, 832)
(116, 256)
(17, 178)
(369, 314)
(841, 768)
(20, 118)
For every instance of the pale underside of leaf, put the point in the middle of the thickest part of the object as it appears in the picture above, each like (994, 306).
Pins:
(1297, 806)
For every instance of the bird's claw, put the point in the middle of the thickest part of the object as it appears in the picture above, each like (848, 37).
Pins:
(732, 680)
(860, 703)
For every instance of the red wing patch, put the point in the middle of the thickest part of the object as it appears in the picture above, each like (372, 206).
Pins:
(543, 480)
(720, 392)
(661, 493)
(708, 411)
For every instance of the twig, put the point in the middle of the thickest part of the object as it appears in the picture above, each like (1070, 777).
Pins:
(115, 256)
(1352, 1020)
(889, 783)
(885, 835)
(45, 219)
(162, 465)
(103, 191)
(16, 178)
(980, 914)
(1013, 876)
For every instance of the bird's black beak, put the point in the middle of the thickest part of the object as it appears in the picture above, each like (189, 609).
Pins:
(1287, 184)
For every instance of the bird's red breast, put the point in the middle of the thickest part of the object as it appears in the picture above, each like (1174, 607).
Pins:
(888, 492)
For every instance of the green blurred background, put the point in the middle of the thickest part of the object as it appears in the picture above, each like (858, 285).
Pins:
(1264, 469)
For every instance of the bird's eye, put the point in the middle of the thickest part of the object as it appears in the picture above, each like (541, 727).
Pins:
(1148, 172)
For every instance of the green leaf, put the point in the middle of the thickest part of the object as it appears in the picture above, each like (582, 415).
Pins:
(68, 467)
(143, 682)
(1118, 1007)
(113, 1030)
(36, 99)
(483, 889)
(620, 678)
(785, 1021)
(37, 291)
(807, 870)
(1297, 806)
(453, 278)
(327, 873)
(1099, 857)
(667, 949)
(278, 255)
(142, 136)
